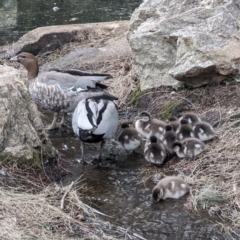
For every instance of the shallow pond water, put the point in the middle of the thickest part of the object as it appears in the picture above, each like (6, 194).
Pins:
(20, 16)
(117, 191)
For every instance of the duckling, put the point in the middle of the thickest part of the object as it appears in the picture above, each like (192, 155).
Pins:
(154, 151)
(129, 138)
(204, 131)
(191, 117)
(148, 127)
(170, 187)
(95, 120)
(184, 130)
(189, 148)
(61, 90)
(174, 122)
(169, 138)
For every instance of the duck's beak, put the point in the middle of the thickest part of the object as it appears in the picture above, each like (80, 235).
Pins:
(136, 118)
(14, 59)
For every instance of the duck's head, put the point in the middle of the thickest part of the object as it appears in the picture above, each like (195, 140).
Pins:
(157, 194)
(144, 116)
(29, 62)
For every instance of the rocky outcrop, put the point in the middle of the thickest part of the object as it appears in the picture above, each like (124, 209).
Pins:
(196, 42)
(49, 38)
(22, 136)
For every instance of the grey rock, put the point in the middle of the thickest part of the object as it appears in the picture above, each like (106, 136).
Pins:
(49, 38)
(22, 134)
(196, 42)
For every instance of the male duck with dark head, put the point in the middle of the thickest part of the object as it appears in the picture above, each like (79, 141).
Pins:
(129, 138)
(61, 90)
(147, 126)
(95, 120)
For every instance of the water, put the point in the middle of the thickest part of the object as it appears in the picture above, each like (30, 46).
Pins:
(118, 191)
(20, 16)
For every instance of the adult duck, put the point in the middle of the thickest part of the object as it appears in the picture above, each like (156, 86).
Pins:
(61, 90)
(95, 120)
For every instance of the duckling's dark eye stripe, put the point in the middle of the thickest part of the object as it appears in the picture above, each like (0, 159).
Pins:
(102, 110)
(89, 113)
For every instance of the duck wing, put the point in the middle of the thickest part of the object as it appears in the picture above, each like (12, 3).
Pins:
(66, 80)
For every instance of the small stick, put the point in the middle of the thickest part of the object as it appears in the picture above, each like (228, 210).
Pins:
(65, 194)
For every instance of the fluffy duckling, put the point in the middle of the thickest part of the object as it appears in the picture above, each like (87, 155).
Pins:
(169, 138)
(60, 91)
(184, 130)
(148, 127)
(95, 120)
(174, 122)
(154, 151)
(191, 117)
(204, 131)
(189, 148)
(170, 187)
(129, 138)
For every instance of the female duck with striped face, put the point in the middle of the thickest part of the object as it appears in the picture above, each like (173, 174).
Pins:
(95, 120)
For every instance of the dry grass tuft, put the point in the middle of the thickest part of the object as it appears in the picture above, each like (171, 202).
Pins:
(125, 84)
(38, 216)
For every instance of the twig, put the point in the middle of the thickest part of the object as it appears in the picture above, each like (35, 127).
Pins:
(125, 231)
(65, 194)
(98, 212)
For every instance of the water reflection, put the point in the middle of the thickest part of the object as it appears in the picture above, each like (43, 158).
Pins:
(117, 191)
(20, 16)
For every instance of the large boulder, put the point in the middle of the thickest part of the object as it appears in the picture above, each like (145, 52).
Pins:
(22, 135)
(196, 42)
